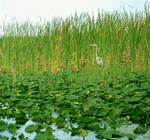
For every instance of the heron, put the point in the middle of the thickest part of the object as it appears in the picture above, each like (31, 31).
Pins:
(99, 59)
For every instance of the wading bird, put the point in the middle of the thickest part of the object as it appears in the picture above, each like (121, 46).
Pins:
(99, 60)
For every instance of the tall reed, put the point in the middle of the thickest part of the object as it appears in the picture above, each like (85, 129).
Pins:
(123, 40)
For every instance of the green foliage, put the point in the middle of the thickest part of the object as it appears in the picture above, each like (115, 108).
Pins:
(123, 40)
(12, 128)
(76, 89)
(116, 100)
(21, 137)
(43, 136)
(46, 135)
(3, 138)
(31, 128)
(3, 125)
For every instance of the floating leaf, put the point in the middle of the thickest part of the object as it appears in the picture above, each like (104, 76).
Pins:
(12, 128)
(44, 136)
(3, 138)
(3, 125)
(31, 128)
(140, 130)
(21, 137)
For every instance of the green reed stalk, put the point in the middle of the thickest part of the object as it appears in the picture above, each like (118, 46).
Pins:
(123, 40)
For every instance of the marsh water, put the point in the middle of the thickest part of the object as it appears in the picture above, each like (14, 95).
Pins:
(61, 135)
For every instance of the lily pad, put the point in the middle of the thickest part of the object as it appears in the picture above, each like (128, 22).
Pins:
(13, 128)
(31, 128)
(140, 130)
(44, 136)
(3, 125)
(3, 138)
(21, 137)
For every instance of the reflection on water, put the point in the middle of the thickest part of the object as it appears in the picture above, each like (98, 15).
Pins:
(58, 133)
(61, 135)
(20, 131)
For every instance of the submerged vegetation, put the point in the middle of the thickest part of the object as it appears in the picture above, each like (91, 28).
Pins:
(50, 68)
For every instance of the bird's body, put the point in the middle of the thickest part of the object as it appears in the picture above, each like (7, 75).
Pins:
(99, 60)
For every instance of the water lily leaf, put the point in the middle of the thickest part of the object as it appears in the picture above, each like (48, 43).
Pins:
(140, 130)
(31, 128)
(20, 118)
(2, 122)
(80, 132)
(41, 126)
(12, 128)
(116, 134)
(48, 131)
(3, 125)
(100, 133)
(44, 136)
(145, 86)
(3, 138)
(93, 125)
(107, 134)
(84, 133)
(86, 107)
(134, 99)
(21, 137)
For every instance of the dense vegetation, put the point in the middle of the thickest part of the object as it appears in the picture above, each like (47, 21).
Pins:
(123, 40)
(49, 68)
(112, 102)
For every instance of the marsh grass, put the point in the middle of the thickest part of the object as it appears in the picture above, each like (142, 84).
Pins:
(123, 40)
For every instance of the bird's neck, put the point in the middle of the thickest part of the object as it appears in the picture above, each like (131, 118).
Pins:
(96, 51)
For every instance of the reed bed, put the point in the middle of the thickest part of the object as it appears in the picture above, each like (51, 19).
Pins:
(123, 40)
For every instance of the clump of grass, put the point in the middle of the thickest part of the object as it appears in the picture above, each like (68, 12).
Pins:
(123, 40)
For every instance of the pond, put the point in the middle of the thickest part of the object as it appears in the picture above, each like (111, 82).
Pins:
(61, 135)
(58, 133)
